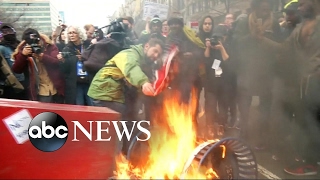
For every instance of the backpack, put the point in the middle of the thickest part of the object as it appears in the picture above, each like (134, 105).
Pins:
(97, 55)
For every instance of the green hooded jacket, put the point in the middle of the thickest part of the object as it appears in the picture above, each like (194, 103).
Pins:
(108, 84)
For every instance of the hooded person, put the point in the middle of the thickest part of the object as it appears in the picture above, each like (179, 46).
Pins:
(155, 26)
(11, 85)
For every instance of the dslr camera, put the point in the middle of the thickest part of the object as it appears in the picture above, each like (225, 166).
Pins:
(66, 54)
(34, 43)
(215, 40)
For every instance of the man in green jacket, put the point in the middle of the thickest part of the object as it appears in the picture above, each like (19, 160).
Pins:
(128, 67)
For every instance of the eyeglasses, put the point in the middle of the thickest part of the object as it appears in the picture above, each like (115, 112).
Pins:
(72, 32)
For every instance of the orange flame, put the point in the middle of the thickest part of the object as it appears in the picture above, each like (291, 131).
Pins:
(171, 144)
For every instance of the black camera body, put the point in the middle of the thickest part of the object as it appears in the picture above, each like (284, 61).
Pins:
(215, 40)
(33, 41)
(66, 54)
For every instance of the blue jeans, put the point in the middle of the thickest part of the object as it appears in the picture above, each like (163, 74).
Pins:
(82, 98)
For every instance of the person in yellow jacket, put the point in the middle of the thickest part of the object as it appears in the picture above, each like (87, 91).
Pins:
(128, 67)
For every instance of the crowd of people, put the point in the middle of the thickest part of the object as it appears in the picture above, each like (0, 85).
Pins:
(252, 54)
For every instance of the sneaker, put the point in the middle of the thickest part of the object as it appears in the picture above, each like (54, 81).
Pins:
(305, 170)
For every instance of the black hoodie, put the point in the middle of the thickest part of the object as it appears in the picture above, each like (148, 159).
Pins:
(9, 40)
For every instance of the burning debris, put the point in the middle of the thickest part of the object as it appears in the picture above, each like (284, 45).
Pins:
(173, 153)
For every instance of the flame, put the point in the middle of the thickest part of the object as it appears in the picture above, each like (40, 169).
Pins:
(211, 174)
(223, 151)
(171, 144)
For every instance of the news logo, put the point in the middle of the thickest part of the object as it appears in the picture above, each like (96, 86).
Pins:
(48, 132)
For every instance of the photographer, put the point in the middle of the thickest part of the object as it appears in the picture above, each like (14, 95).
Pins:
(11, 85)
(96, 56)
(215, 84)
(133, 37)
(77, 79)
(97, 35)
(36, 56)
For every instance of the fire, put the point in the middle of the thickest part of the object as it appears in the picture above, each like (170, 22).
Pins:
(171, 144)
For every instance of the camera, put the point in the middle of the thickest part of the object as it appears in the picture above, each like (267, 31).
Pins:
(66, 54)
(34, 43)
(98, 34)
(215, 40)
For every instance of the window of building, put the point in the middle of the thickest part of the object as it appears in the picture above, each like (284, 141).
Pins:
(206, 4)
(179, 5)
(200, 6)
(38, 4)
(35, 19)
(43, 24)
(194, 8)
(13, 4)
(29, 14)
(27, 9)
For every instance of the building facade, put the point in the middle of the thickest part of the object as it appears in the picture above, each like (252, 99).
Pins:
(194, 10)
(39, 14)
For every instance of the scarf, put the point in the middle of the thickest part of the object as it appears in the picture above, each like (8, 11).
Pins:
(266, 25)
(192, 36)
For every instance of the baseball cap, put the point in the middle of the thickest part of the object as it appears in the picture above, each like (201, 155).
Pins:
(291, 6)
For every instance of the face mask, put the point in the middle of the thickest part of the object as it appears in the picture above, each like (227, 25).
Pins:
(10, 37)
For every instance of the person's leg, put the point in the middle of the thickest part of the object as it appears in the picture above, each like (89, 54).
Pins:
(312, 119)
(87, 98)
(222, 96)
(280, 121)
(264, 120)
(245, 100)
(59, 99)
(80, 94)
(311, 124)
(131, 99)
(210, 111)
(232, 99)
(45, 99)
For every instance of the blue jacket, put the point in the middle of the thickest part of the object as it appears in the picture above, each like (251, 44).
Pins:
(6, 52)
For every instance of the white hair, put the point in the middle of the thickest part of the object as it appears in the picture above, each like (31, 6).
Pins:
(78, 30)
